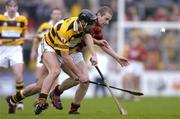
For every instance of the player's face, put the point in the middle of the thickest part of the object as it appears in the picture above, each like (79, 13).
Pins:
(11, 8)
(103, 20)
(56, 15)
(136, 42)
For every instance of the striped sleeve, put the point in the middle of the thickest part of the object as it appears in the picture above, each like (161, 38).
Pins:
(61, 41)
(26, 23)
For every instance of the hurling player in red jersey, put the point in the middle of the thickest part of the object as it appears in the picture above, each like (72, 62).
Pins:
(132, 74)
(104, 15)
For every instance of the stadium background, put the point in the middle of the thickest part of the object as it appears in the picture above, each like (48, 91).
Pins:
(131, 18)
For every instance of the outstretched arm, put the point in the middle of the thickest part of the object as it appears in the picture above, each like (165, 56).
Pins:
(121, 60)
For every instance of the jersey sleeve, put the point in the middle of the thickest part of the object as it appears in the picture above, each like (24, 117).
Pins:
(61, 41)
(25, 26)
(25, 23)
(42, 30)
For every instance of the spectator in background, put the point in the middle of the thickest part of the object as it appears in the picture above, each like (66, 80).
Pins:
(135, 10)
(175, 13)
(170, 44)
(132, 14)
(131, 75)
(161, 14)
(75, 9)
(13, 29)
(153, 52)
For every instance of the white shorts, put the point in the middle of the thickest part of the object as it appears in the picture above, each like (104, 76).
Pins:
(46, 48)
(10, 55)
(134, 67)
(76, 57)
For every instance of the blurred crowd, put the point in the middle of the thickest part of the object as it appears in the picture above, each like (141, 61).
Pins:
(152, 10)
(163, 51)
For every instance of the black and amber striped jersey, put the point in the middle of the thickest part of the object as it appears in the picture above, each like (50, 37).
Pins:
(43, 29)
(64, 36)
(12, 31)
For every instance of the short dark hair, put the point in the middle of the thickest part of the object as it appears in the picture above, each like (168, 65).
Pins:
(8, 1)
(105, 9)
(54, 9)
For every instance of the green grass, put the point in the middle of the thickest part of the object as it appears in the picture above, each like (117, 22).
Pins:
(102, 108)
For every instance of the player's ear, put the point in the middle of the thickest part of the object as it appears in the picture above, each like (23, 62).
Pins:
(98, 15)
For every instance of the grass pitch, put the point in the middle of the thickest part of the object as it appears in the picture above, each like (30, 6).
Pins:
(102, 108)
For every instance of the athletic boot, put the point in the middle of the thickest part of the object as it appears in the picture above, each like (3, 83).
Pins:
(40, 106)
(55, 100)
(74, 109)
(11, 106)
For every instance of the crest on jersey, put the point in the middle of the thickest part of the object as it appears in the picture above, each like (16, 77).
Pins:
(63, 40)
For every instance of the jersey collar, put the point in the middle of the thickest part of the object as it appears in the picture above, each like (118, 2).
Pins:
(75, 26)
(17, 15)
(51, 22)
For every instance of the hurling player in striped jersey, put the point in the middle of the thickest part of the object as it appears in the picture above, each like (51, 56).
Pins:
(104, 15)
(13, 27)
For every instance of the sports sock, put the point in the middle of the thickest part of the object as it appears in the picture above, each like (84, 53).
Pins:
(19, 87)
(17, 97)
(42, 98)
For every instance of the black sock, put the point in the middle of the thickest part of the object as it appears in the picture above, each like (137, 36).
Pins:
(17, 98)
(42, 97)
(19, 87)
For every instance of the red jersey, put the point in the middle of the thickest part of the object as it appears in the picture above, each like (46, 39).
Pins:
(137, 54)
(96, 32)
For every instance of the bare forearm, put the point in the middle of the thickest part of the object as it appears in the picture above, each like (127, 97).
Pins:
(90, 44)
(110, 51)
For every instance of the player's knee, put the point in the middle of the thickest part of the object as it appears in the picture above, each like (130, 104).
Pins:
(84, 84)
(55, 72)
